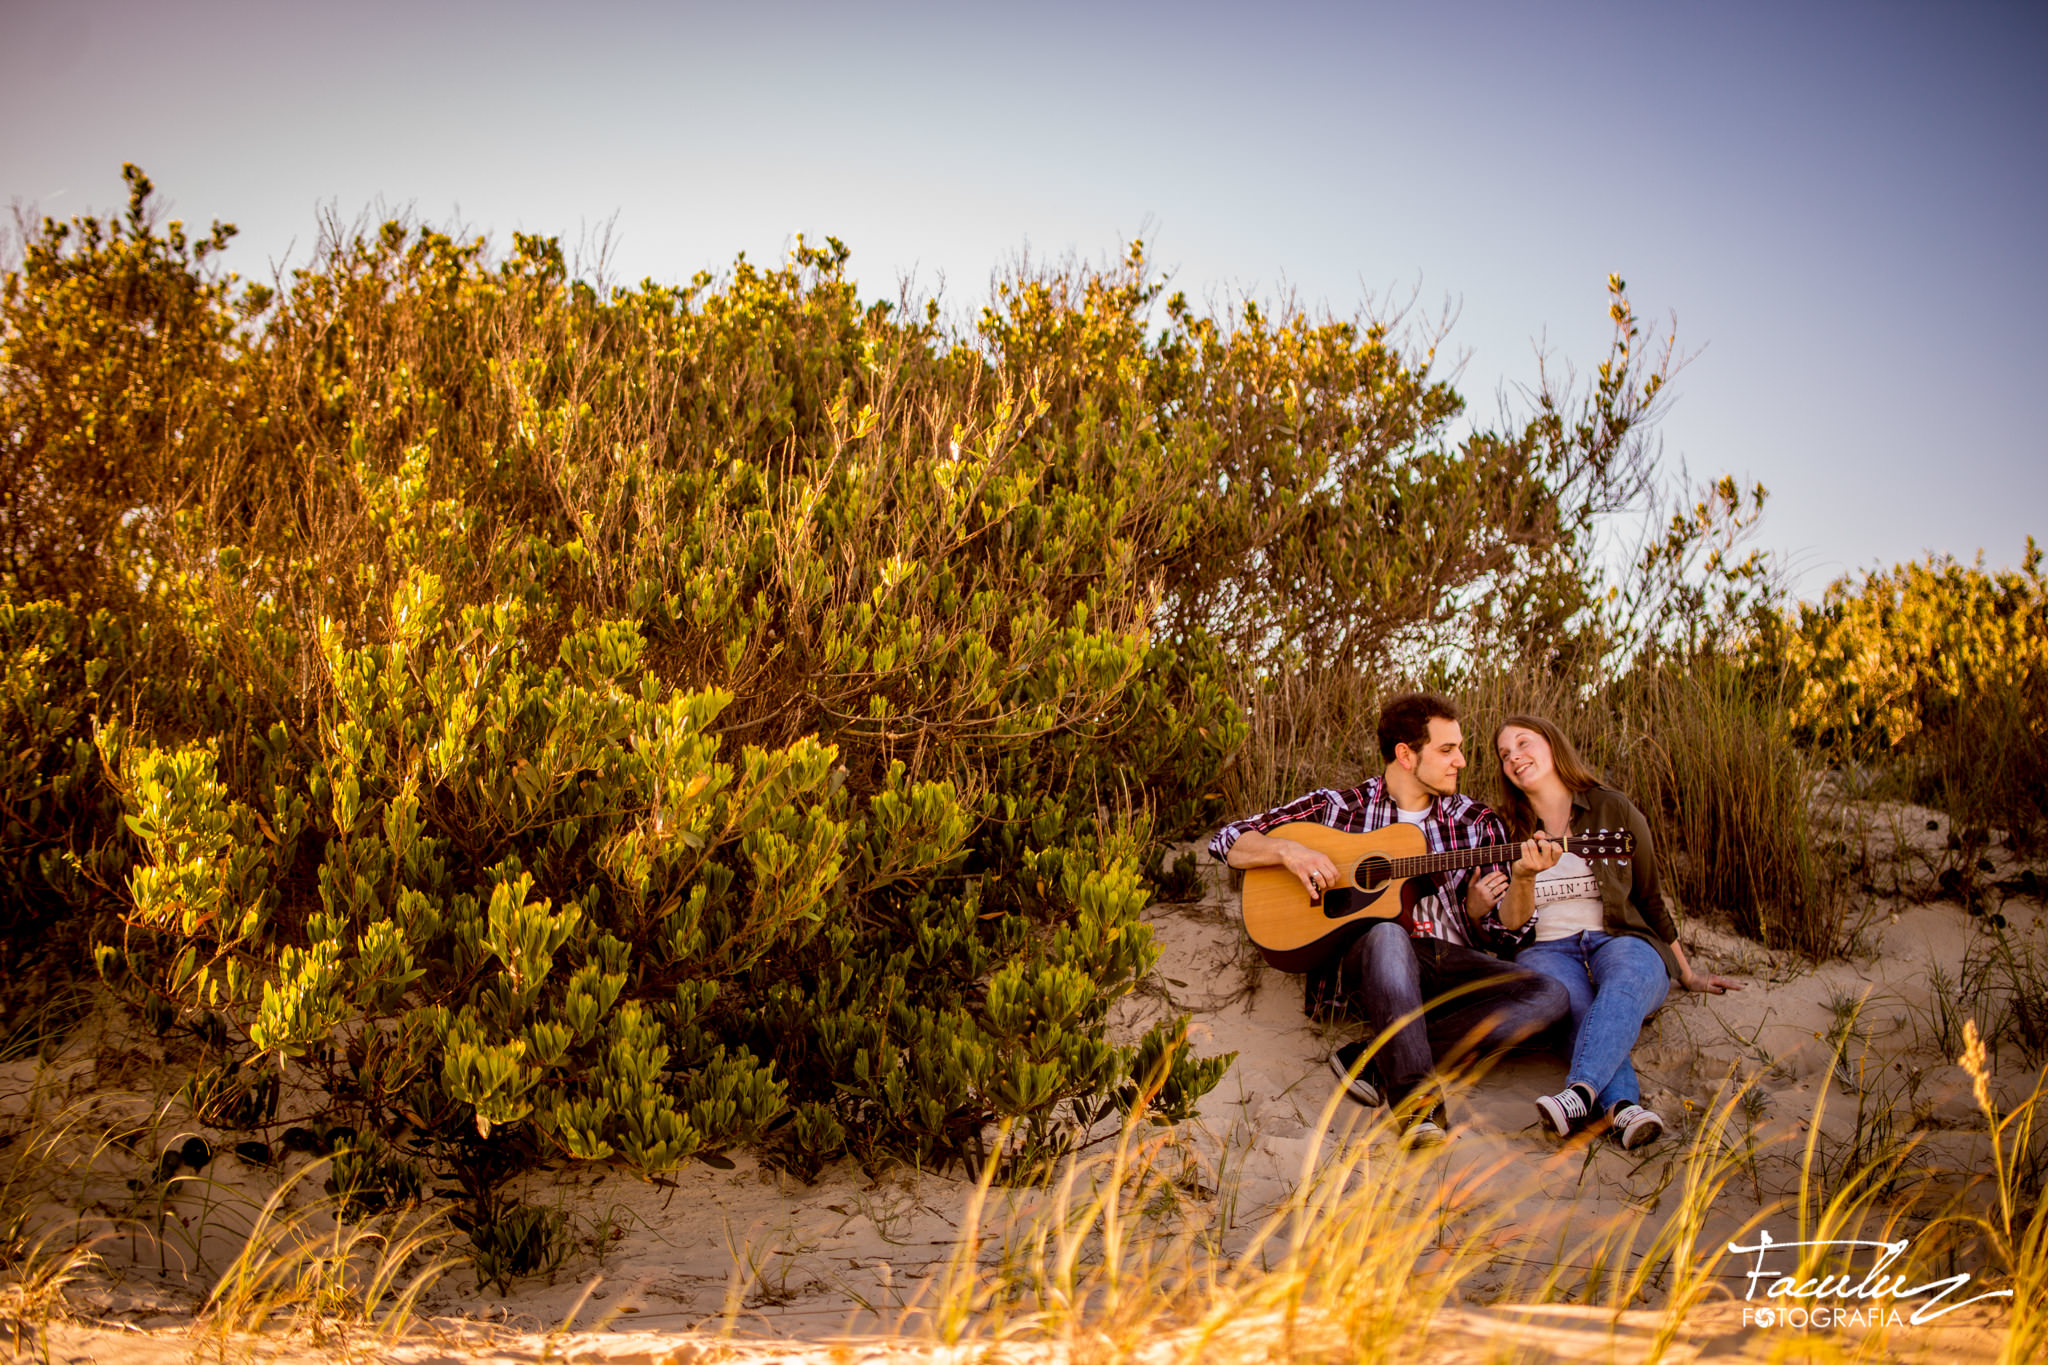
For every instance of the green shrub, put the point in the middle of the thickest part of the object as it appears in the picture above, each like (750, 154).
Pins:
(621, 723)
(1939, 668)
(118, 353)
(62, 853)
(519, 1240)
(570, 760)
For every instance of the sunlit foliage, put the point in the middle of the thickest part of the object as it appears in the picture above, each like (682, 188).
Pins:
(560, 719)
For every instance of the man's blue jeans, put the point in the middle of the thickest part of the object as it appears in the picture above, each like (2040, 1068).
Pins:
(1393, 974)
(1616, 981)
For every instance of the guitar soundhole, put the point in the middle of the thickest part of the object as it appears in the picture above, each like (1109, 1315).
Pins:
(1372, 874)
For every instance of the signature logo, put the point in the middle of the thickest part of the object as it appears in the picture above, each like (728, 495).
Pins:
(1843, 1299)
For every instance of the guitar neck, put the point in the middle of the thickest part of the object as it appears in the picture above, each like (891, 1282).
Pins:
(1453, 859)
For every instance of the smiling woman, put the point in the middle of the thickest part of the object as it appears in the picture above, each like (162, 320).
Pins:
(1601, 931)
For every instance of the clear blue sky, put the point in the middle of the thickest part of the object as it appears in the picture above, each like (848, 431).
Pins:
(1841, 204)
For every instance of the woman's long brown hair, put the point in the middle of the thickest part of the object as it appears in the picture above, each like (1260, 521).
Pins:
(1571, 769)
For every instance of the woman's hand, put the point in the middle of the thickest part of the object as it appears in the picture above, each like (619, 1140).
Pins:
(1513, 894)
(1708, 984)
(1539, 854)
(1690, 978)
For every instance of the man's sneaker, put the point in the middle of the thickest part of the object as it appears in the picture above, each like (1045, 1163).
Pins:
(1351, 1070)
(1635, 1126)
(1567, 1111)
(1426, 1131)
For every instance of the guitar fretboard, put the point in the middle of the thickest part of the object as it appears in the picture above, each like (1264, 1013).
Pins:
(1454, 858)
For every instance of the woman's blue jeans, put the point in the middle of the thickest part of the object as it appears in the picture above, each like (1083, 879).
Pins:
(1615, 982)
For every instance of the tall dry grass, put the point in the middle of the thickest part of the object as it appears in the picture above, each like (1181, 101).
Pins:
(1122, 1256)
(2015, 1225)
(1380, 1252)
(1307, 726)
(318, 1270)
(92, 1197)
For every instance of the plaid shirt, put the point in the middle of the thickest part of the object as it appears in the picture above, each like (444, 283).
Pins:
(1453, 822)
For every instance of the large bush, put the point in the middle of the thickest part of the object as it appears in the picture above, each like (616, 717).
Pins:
(1939, 668)
(623, 722)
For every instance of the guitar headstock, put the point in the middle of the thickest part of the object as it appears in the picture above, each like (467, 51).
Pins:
(1614, 845)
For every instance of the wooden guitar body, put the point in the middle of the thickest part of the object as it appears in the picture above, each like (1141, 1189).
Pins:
(1295, 933)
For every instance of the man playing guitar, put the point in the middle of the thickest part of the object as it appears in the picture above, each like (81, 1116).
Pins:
(1392, 968)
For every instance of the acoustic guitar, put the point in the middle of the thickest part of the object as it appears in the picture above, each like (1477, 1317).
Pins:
(1380, 875)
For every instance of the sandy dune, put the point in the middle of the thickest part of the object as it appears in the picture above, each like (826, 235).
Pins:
(749, 1263)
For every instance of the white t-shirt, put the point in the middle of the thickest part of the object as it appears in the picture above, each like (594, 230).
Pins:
(1568, 900)
(1411, 817)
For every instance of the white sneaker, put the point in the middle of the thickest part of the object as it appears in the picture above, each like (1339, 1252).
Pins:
(1352, 1073)
(1424, 1132)
(1635, 1126)
(1567, 1111)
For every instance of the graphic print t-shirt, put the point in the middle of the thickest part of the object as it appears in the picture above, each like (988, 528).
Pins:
(1567, 900)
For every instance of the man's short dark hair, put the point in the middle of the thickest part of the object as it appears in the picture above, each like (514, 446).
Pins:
(1405, 720)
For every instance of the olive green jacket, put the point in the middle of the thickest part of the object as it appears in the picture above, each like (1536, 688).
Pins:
(1628, 890)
